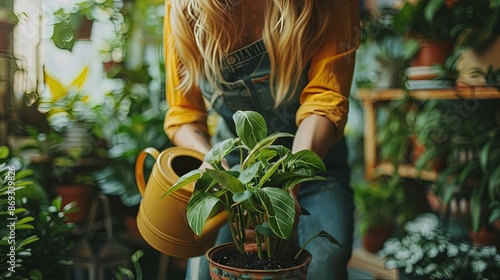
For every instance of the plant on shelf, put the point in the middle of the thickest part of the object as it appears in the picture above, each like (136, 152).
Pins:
(395, 130)
(427, 252)
(427, 25)
(75, 22)
(470, 142)
(383, 52)
(257, 192)
(380, 205)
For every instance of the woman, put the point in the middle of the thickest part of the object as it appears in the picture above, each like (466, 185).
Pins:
(290, 60)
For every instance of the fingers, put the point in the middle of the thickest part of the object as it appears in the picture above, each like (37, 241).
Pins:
(251, 247)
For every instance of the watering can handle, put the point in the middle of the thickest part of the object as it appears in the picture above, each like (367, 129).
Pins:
(139, 167)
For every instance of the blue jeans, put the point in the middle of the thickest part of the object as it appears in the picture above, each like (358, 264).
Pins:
(331, 206)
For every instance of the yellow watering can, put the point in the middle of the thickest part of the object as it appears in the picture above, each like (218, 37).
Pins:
(162, 222)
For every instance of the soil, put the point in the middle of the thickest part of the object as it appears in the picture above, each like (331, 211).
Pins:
(252, 261)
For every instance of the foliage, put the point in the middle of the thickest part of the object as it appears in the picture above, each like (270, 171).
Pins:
(380, 202)
(67, 104)
(123, 273)
(68, 20)
(40, 246)
(133, 118)
(468, 136)
(427, 251)
(396, 130)
(476, 23)
(424, 19)
(257, 191)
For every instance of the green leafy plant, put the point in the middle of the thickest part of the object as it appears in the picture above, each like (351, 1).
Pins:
(470, 142)
(41, 232)
(475, 23)
(257, 191)
(427, 251)
(424, 19)
(70, 20)
(123, 273)
(380, 202)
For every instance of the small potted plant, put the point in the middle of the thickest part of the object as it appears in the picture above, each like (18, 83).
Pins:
(426, 251)
(255, 195)
(380, 205)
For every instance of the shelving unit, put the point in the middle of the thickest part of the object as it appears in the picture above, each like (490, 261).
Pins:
(361, 259)
(371, 98)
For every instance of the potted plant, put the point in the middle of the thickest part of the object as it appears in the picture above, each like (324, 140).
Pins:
(380, 205)
(428, 24)
(75, 22)
(255, 195)
(426, 251)
(477, 37)
(383, 52)
(41, 231)
(471, 148)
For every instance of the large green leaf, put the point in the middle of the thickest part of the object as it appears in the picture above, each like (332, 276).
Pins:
(184, 180)
(248, 174)
(284, 209)
(226, 180)
(199, 209)
(431, 9)
(270, 171)
(476, 202)
(309, 159)
(219, 151)
(250, 127)
(264, 143)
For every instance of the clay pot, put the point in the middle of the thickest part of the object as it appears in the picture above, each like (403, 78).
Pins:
(82, 195)
(485, 237)
(5, 31)
(375, 237)
(222, 272)
(432, 52)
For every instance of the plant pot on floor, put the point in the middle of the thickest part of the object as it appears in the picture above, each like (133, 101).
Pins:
(222, 252)
(485, 236)
(82, 195)
(375, 236)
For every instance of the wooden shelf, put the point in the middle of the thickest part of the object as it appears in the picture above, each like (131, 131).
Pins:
(366, 261)
(450, 94)
(406, 171)
(370, 98)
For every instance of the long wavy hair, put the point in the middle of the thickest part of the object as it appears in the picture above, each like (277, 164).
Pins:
(204, 31)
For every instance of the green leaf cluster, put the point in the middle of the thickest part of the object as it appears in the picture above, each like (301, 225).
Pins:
(255, 193)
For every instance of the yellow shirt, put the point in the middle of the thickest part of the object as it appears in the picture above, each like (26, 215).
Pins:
(326, 94)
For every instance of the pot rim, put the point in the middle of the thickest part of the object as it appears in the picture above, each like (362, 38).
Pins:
(305, 254)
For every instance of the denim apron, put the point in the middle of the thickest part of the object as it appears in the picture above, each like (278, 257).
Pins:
(246, 72)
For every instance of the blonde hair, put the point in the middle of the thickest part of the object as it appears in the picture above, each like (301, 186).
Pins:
(205, 31)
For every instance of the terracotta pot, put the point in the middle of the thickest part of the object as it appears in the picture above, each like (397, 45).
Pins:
(84, 32)
(418, 149)
(82, 195)
(485, 237)
(432, 52)
(375, 237)
(5, 31)
(162, 222)
(222, 272)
